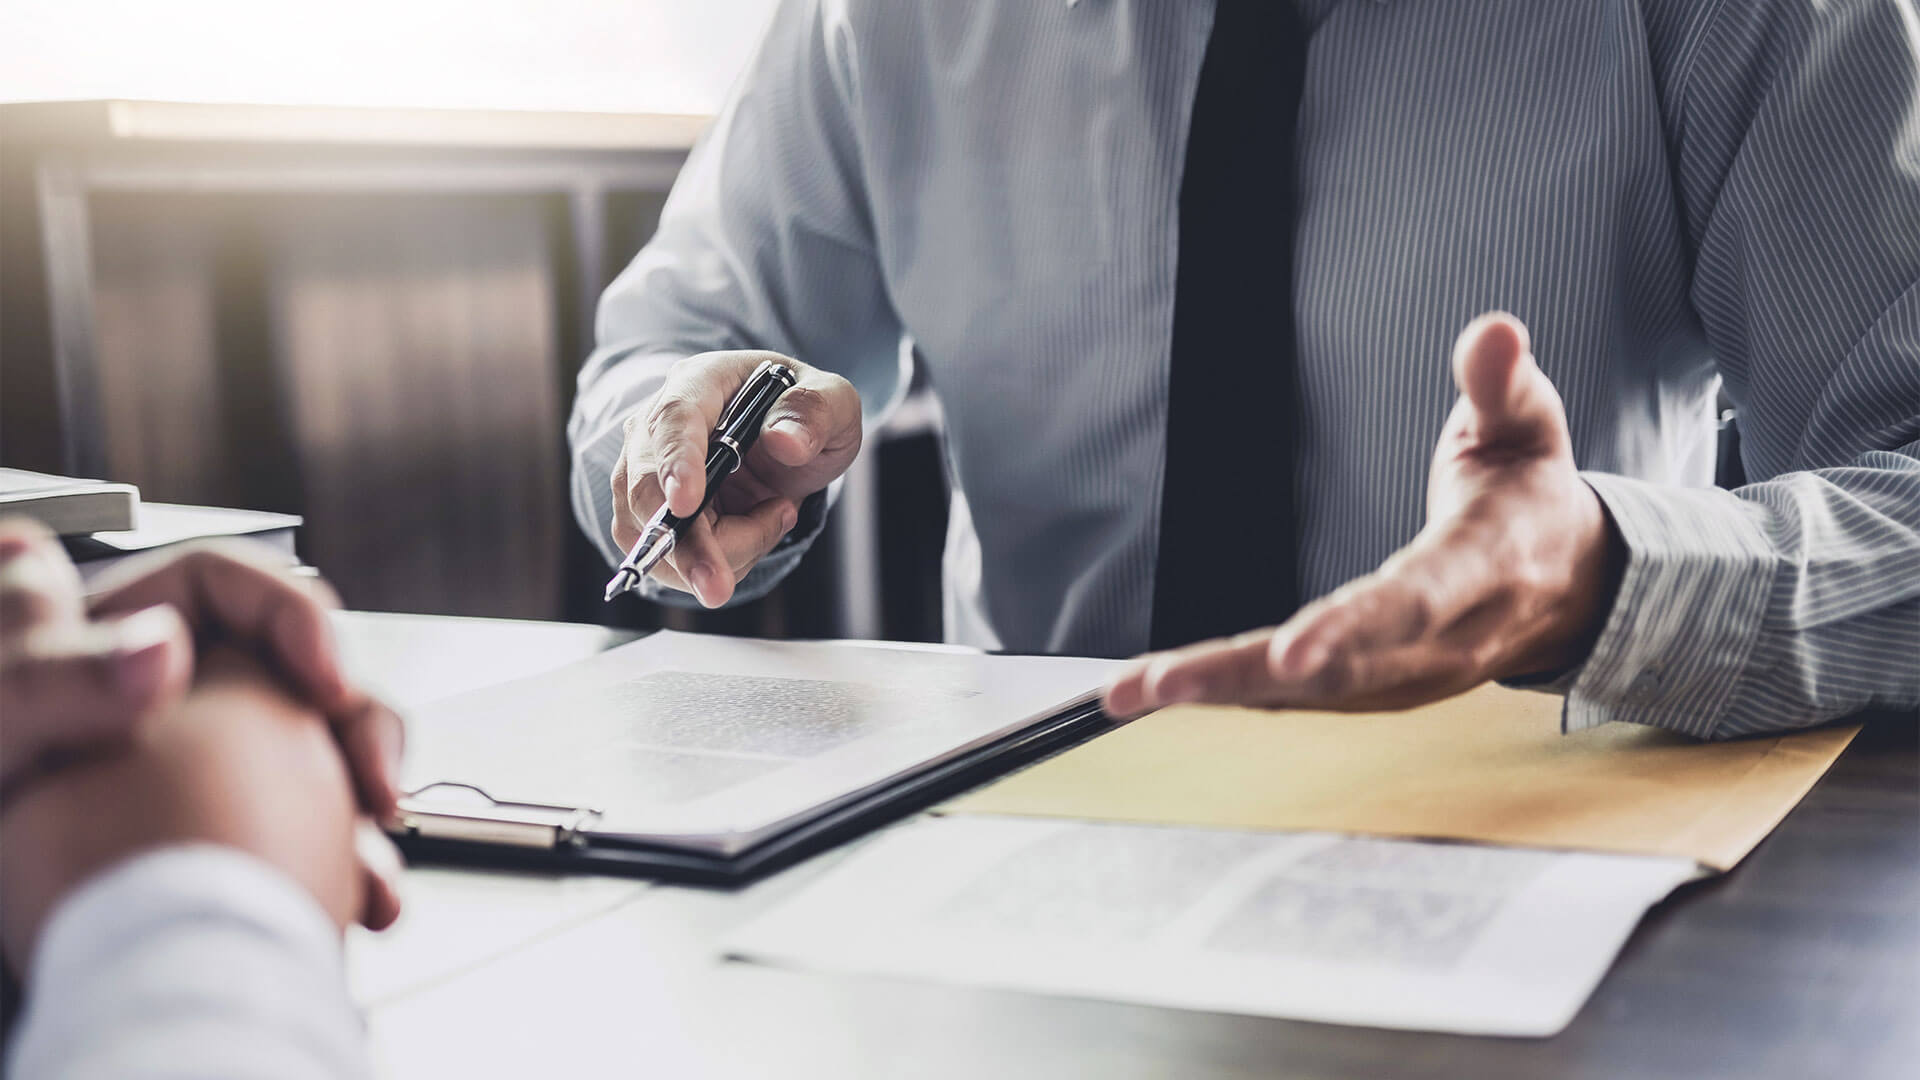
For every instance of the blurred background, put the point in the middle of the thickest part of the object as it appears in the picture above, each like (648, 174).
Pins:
(341, 260)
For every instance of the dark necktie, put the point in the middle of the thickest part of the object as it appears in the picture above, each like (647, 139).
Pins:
(1227, 559)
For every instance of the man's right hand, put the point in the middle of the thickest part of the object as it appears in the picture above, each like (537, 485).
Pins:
(811, 436)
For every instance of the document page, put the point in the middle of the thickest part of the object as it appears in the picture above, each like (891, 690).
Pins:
(1308, 926)
(712, 742)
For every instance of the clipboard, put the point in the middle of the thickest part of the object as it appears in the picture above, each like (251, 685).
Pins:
(549, 837)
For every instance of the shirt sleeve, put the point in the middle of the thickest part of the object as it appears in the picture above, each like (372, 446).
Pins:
(765, 243)
(193, 961)
(1794, 599)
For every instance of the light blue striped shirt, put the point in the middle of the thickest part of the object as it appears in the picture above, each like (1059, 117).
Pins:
(1674, 195)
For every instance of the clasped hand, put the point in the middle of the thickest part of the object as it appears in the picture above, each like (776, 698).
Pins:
(196, 697)
(1514, 573)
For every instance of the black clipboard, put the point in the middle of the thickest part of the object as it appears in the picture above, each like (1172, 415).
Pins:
(538, 836)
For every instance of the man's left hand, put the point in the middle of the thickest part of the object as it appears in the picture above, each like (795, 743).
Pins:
(1514, 573)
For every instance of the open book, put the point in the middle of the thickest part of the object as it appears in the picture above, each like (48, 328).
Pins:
(713, 748)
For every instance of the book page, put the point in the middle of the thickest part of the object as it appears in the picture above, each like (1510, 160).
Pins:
(1311, 926)
(711, 739)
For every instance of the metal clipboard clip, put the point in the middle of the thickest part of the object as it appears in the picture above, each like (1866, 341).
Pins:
(494, 821)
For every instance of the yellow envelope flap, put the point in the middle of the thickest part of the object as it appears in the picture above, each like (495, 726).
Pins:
(1489, 765)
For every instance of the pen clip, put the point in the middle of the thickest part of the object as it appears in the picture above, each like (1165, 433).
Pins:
(499, 821)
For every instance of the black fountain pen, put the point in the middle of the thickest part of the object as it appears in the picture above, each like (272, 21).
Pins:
(739, 427)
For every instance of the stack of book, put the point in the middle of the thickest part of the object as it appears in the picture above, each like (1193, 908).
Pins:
(103, 523)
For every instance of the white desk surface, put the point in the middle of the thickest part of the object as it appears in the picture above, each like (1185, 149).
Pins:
(1768, 972)
(497, 973)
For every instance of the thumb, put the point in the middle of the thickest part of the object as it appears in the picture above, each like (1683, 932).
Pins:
(380, 870)
(1508, 398)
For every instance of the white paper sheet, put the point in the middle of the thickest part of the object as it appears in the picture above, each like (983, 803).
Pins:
(1309, 926)
(713, 742)
(456, 920)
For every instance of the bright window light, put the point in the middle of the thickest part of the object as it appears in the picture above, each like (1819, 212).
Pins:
(667, 56)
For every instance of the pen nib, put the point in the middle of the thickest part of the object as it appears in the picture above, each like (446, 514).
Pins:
(653, 545)
(621, 582)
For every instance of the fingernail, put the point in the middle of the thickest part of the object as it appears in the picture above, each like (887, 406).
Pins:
(1304, 662)
(148, 626)
(1178, 690)
(701, 578)
(789, 517)
(137, 673)
(140, 651)
(798, 430)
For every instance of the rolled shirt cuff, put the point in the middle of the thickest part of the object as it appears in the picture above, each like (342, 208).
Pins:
(1689, 609)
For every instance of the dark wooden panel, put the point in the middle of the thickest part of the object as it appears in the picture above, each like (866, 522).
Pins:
(156, 337)
(29, 425)
(386, 365)
(417, 342)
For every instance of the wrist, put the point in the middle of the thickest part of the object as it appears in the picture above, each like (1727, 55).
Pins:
(1580, 611)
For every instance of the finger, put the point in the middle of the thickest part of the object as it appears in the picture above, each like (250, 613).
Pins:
(39, 586)
(1389, 640)
(664, 573)
(1341, 675)
(242, 595)
(718, 550)
(380, 870)
(1168, 678)
(1485, 356)
(1229, 671)
(1420, 620)
(745, 539)
(820, 414)
(19, 534)
(676, 424)
(740, 537)
(1493, 367)
(702, 563)
(373, 739)
(1259, 666)
(66, 690)
(1125, 695)
(639, 501)
(636, 495)
(1358, 642)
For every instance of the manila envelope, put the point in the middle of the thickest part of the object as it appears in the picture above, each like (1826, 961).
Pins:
(1489, 766)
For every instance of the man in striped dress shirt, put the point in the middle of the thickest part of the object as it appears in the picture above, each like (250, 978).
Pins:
(1671, 197)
